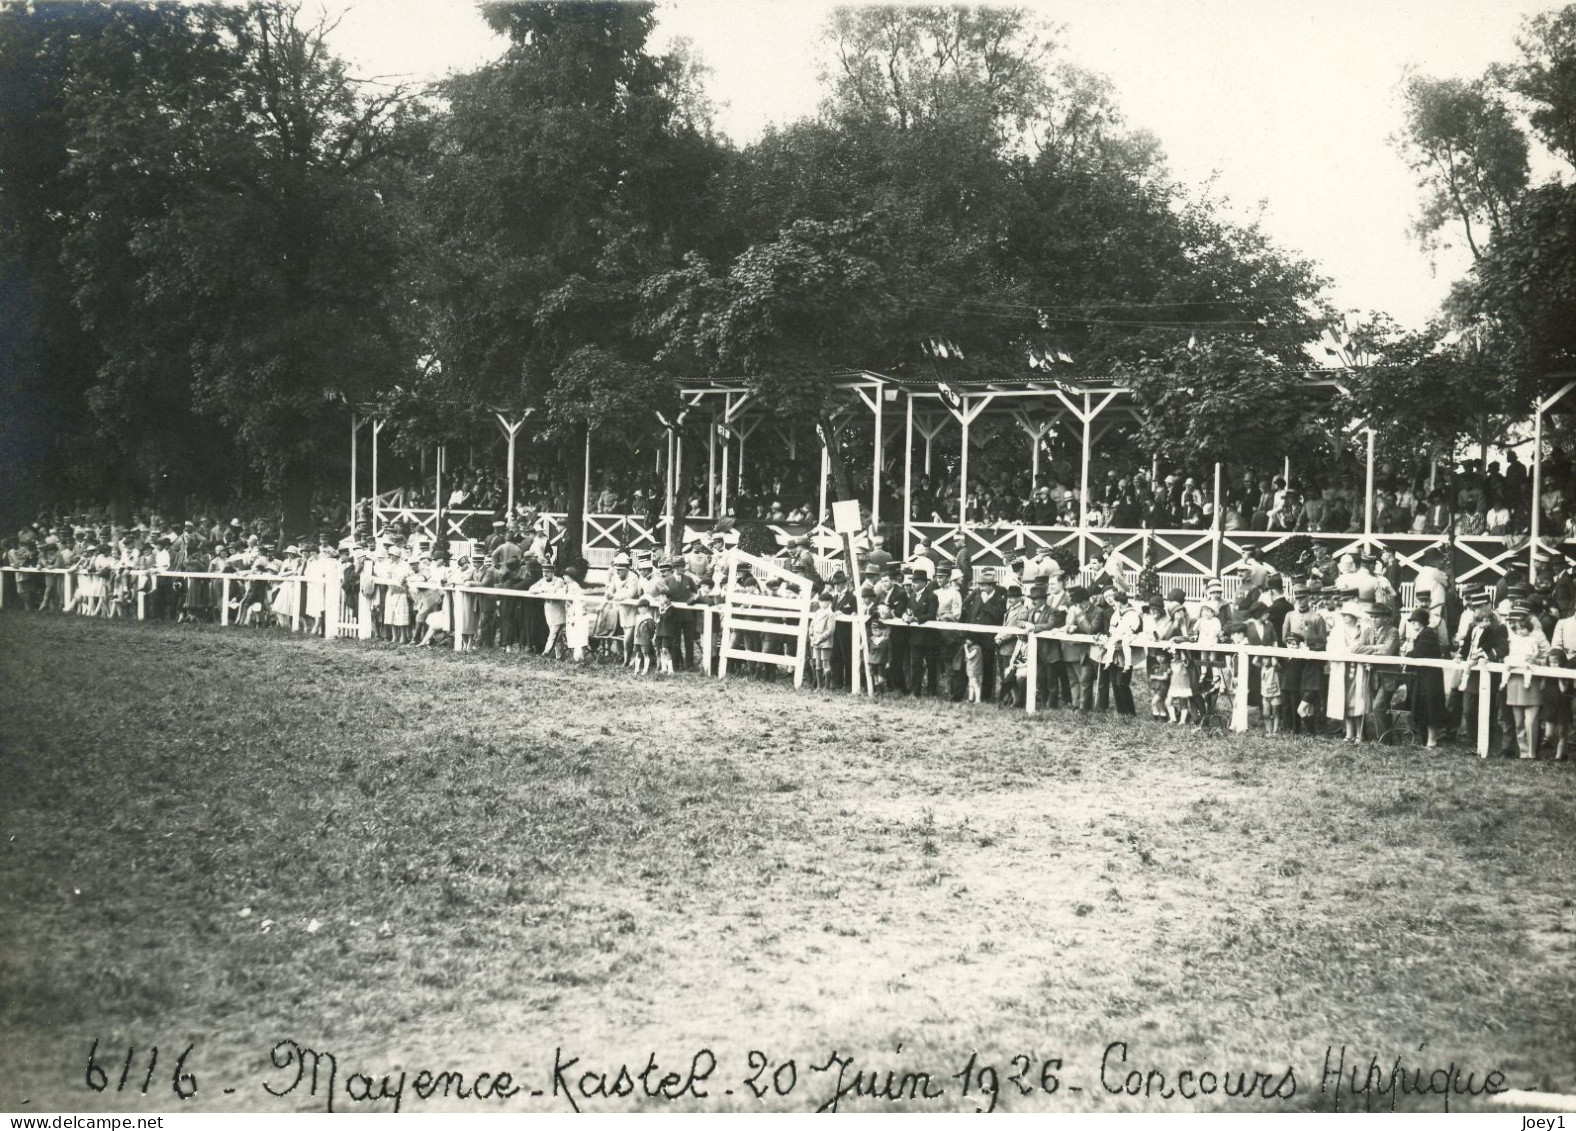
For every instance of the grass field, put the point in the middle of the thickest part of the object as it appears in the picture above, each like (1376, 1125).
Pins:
(418, 860)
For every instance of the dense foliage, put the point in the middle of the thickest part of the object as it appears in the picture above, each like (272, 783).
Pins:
(215, 242)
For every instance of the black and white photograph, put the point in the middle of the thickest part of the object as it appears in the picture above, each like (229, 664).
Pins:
(762, 557)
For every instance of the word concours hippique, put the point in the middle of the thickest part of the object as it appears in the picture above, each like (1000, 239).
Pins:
(302, 1075)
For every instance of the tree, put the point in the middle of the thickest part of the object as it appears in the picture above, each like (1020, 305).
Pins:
(565, 174)
(1462, 141)
(55, 59)
(1546, 77)
(1220, 400)
(233, 247)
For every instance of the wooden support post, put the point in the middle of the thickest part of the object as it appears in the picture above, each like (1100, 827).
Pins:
(1239, 701)
(859, 645)
(1485, 710)
(1032, 672)
(224, 602)
(711, 467)
(142, 608)
(1368, 501)
(908, 477)
(363, 615)
(509, 514)
(826, 470)
(706, 640)
(963, 470)
(722, 493)
(300, 603)
(1083, 488)
(1537, 495)
(355, 426)
(454, 597)
(875, 467)
(1216, 527)
(377, 428)
(669, 495)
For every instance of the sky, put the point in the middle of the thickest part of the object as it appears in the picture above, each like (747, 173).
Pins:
(1283, 104)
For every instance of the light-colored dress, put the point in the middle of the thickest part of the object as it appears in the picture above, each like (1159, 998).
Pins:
(1531, 648)
(464, 603)
(396, 607)
(577, 621)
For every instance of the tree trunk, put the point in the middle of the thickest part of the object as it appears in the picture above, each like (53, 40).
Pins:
(295, 496)
(838, 487)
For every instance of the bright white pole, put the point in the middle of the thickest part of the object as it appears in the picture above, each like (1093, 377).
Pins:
(908, 477)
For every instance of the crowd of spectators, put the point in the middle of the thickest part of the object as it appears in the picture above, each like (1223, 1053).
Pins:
(1116, 648)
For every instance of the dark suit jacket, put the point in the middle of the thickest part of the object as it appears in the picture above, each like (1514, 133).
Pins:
(978, 610)
(1492, 638)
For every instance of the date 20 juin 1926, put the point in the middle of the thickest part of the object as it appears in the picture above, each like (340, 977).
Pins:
(304, 1075)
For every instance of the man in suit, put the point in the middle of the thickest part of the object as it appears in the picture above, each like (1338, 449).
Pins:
(1485, 639)
(924, 648)
(899, 598)
(1038, 616)
(986, 604)
(1379, 638)
(1305, 625)
(1084, 619)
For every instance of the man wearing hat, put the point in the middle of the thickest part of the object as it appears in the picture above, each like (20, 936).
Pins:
(1485, 639)
(1075, 654)
(1378, 637)
(1036, 617)
(924, 651)
(680, 586)
(898, 599)
(1302, 679)
(986, 604)
(1124, 627)
(1254, 572)
(623, 589)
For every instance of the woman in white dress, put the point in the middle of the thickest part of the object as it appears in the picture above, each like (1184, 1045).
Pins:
(396, 602)
(577, 621)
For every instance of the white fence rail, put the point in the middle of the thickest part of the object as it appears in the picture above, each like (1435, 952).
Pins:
(344, 619)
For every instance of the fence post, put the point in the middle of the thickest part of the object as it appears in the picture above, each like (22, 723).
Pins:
(455, 597)
(1485, 709)
(4, 573)
(224, 600)
(363, 615)
(66, 590)
(1239, 701)
(142, 611)
(300, 602)
(853, 660)
(705, 640)
(1032, 688)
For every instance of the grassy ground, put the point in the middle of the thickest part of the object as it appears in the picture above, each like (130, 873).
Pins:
(227, 839)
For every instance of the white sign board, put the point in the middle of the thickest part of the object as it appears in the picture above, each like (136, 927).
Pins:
(845, 517)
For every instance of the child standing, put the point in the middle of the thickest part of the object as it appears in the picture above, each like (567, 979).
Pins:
(667, 632)
(644, 632)
(880, 636)
(823, 628)
(974, 668)
(1270, 692)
